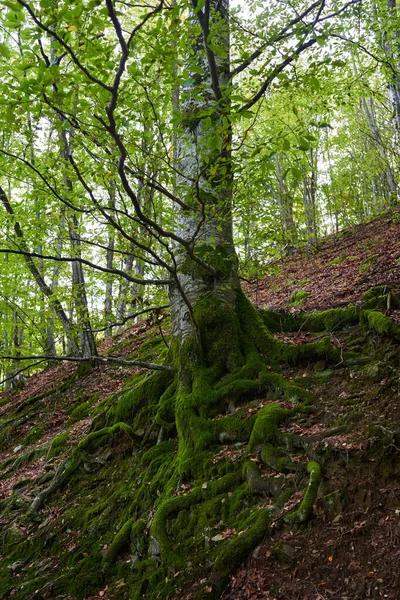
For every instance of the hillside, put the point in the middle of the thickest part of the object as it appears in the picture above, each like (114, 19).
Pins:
(92, 536)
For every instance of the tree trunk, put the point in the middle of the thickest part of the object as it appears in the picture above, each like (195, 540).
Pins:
(309, 199)
(108, 300)
(87, 341)
(285, 205)
(203, 158)
(390, 184)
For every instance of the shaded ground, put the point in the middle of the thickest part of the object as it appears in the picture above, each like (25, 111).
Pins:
(338, 272)
(350, 549)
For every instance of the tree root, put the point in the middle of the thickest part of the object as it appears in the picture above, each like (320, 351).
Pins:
(302, 514)
(66, 469)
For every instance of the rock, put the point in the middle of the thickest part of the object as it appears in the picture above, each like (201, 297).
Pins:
(16, 566)
(284, 552)
(17, 449)
(218, 538)
(154, 547)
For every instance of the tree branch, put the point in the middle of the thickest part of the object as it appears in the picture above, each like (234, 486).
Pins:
(99, 359)
(278, 69)
(66, 47)
(88, 263)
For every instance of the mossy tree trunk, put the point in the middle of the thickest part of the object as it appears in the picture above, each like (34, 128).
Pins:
(205, 179)
(216, 331)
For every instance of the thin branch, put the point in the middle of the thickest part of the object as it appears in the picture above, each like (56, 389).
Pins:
(203, 19)
(66, 47)
(88, 263)
(278, 69)
(100, 359)
(154, 309)
(278, 38)
(16, 373)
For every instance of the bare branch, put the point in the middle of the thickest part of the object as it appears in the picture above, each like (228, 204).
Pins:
(278, 69)
(154, 309)
(88, 263)
(99, 359)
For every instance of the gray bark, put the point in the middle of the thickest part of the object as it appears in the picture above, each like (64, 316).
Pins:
(208, 227)
(369, 111)
(108, 301)
(39, 279)
(87, 341)
(309, 199)
(284, 203)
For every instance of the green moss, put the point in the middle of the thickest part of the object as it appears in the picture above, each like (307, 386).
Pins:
(336, 261)
(305, 509)
(162, 450)
(119, 543)
(84, 368)
(234, 429)
(34, 434)
(58, 445)
(266, 426)
(298, 297)
(366, 264)
(327, 320)
(291, 391)
(377, 321)
(278, 321)
(80, 412)
(147, 392)
(233, 553)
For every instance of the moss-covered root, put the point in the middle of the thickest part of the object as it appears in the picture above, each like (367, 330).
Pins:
(239, 548)
(91, 442)
(128, 531)
(63, 473)
(292, 392)
(303, 513)
(282, 353)
(327, 320)
(266, 427)
(376, 321)
(172, 506)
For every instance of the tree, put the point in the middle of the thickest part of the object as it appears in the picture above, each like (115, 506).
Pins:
(107, 94)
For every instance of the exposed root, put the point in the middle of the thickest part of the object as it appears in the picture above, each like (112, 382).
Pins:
(77, 458)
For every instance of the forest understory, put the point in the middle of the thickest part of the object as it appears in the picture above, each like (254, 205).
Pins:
(290, 489)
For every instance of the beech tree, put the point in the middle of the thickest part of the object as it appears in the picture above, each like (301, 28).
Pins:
(110, 109)
(139, 112)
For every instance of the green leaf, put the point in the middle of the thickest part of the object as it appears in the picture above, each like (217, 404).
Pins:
(296, 172)
(314, 82)
(303, 144)
(188, 83)
(4, 50)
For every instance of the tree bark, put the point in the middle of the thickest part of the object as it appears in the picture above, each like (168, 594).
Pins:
(203, 159)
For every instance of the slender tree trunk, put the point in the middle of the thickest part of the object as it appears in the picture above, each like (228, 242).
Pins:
(124, 286)
(108, 300)
(369, 111)
(284, 204)
(309, 199)
(87, 341)
(39, 279)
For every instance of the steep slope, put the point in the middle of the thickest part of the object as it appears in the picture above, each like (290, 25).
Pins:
(301, 475)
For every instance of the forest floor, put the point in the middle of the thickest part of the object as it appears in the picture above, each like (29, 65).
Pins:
(350, 549)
